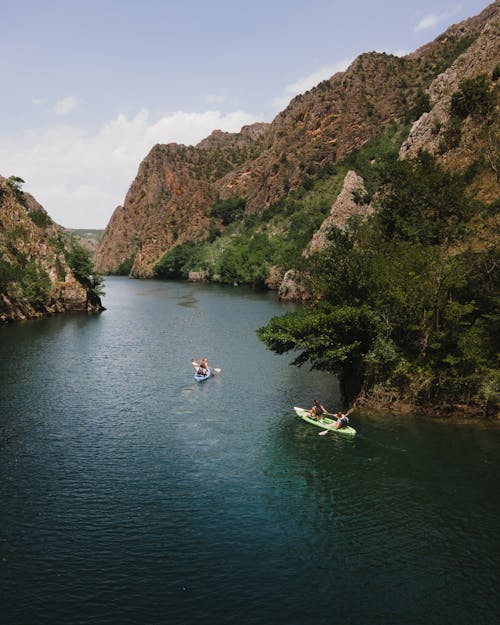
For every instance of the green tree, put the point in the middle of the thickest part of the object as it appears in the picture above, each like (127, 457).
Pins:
(424, 203)
(39, 217)
(228, 210)
(35, 284)
(80, 262)
(473, 97)
(178, 261)
(125, 267)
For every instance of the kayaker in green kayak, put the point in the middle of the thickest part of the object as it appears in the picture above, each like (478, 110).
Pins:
(342, 420)
(317, 410)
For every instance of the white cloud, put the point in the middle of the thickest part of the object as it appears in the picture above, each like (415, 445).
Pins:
(398, 52)
(307, 82)
(80, 177)
(66, 105)
(431, 20)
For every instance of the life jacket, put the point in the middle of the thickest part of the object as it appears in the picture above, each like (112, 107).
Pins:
(344, 421)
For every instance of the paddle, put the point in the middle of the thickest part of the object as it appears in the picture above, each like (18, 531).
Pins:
(332, 415)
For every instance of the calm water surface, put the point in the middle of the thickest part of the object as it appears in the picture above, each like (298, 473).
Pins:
(131, 494)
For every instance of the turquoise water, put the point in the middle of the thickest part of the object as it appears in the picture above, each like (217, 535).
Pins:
(129, 493)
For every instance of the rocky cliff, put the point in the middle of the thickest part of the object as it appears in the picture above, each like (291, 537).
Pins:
(350, 201)
(462, 141)
(35, 279)
(169, 202)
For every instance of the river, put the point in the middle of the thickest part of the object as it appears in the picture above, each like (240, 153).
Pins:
(129, 493)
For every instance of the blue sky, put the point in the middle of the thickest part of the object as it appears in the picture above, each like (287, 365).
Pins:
(90, 86)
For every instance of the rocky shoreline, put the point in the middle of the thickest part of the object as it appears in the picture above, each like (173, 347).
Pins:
(385, 402)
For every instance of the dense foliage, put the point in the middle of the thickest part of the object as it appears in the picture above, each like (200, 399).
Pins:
(20, 277)
(228, 210)
(39, 217)
(125, 267)
(80, 262)
(408, 299)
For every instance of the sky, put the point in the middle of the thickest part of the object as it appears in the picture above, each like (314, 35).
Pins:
(89, 87)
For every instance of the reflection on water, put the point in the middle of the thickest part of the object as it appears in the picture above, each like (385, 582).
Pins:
(132, 494)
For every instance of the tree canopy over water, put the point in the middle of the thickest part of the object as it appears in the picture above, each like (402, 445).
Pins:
(406, 302)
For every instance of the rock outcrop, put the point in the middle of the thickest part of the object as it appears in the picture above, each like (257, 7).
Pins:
(476, 135)
(35, 279)
(351, 201)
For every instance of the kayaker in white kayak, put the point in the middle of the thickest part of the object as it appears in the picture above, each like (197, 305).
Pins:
(202, 367)
(317, 410)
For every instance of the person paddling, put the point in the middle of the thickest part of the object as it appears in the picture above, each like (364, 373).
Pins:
(342, 420)
(317, 410)
(202, 367)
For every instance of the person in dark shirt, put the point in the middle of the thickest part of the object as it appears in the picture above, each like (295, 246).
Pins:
(317, 410)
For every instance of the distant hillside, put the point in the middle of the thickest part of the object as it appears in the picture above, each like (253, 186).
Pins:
(88, 239)
(93, 235)
(257, 197)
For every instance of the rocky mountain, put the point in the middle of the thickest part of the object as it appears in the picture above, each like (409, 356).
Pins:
(35, 278)
(171, 200)
(168, 202)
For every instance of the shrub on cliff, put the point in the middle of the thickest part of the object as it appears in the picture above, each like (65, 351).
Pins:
(35, 285)
(473, 97)
(228, 210)
(39, 217)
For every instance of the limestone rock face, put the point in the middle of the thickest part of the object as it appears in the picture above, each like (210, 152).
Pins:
(169, 201)
(293, 287)
(477, 136)
(349, 202)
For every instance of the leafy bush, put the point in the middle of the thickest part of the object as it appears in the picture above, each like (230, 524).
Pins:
(228, 210)
(178, 262)
(125, 267)
(474, 97)
(424, 202)
(80, 262)
(39, 217)
(35, 284)
(15, 183)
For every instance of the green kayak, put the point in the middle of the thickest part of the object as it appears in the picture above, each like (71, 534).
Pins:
(324, 422)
